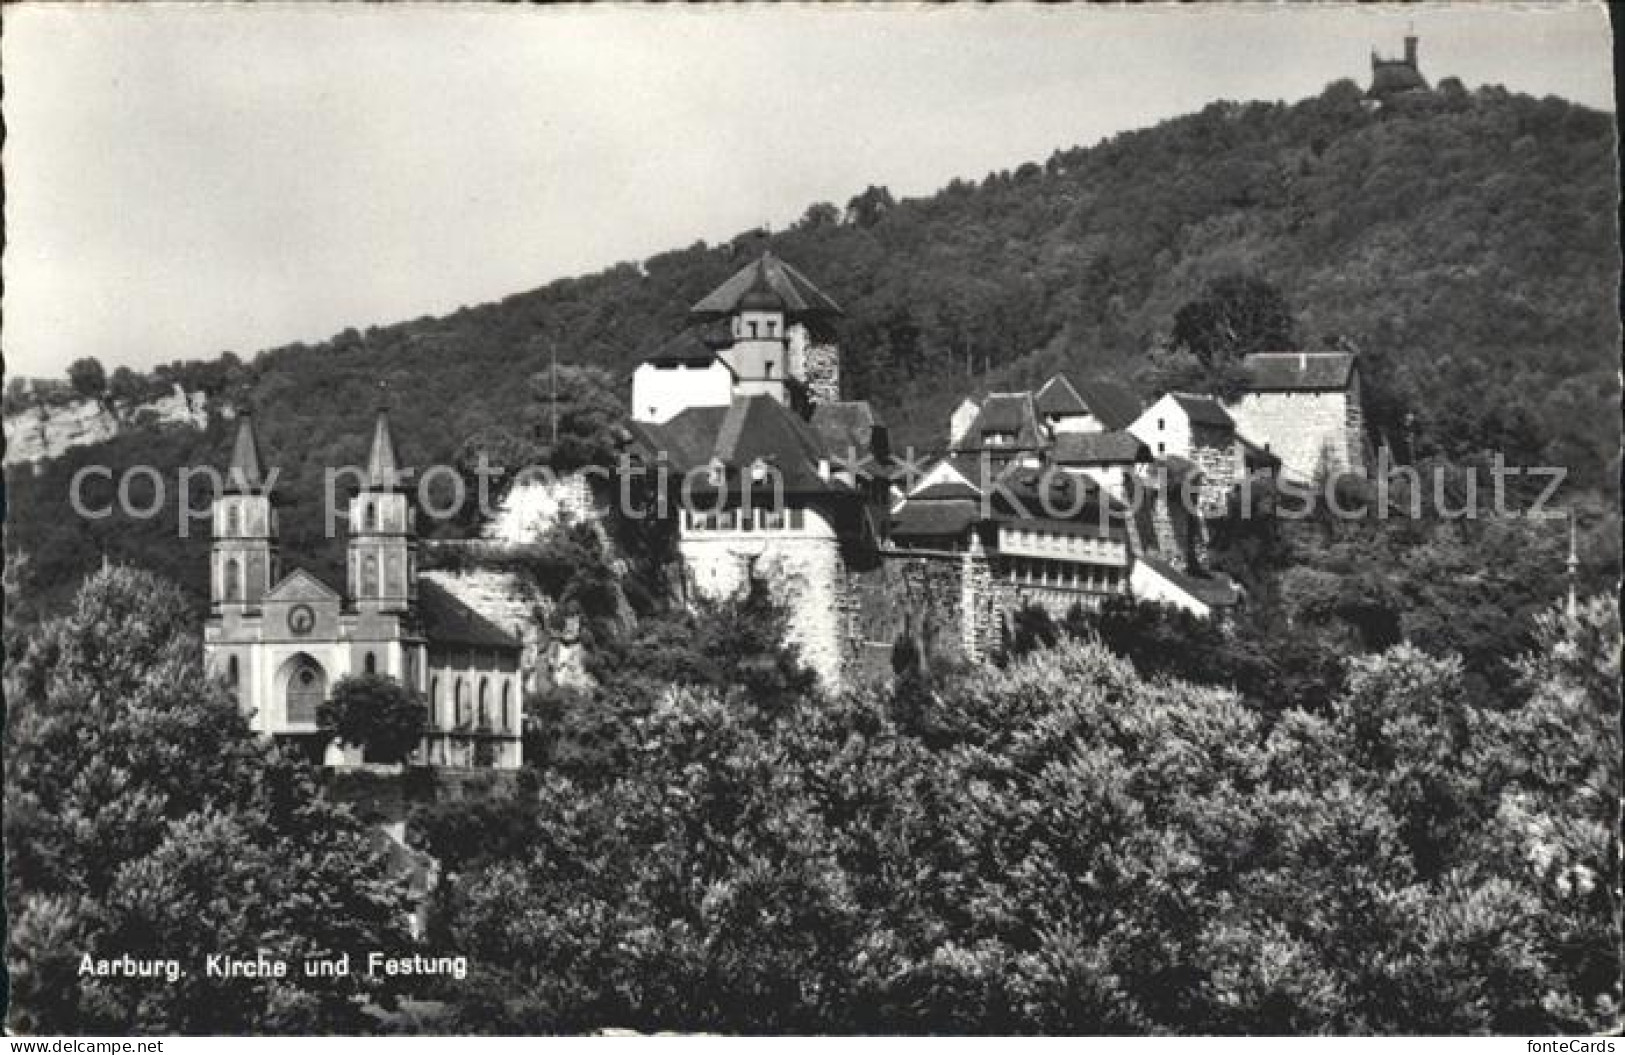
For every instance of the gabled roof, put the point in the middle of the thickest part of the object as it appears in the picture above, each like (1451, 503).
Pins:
(914, 518)
(751, 429)
(1060, 396)
(301, 585)
(1011, 413)
(688, 438)
(1115, 405)
(1099, 448)
(846, 427)
(695, 346)
(956, 476)
(1256, 455)
(1204, 410)
(1217, 590)
(945, 490)
(769, 284)
(1057, 502)
(448, 621)
(243, 475)
(1299, 371)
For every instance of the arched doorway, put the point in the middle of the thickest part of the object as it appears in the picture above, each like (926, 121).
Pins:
(304, 687)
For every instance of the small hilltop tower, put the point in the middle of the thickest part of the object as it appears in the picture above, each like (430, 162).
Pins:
(1395, 77)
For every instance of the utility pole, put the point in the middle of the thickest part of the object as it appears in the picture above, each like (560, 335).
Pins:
(1573, 568)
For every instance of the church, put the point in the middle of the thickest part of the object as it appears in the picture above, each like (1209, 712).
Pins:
(281, 638)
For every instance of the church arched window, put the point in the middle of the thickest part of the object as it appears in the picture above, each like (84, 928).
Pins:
(233, 524)
(370, 516)
(485, 713)
(434, 701)
(369, 576)
(232, 675)
(372, 663)
(507, 714)
(307, 687)
(461, 702)
(233, 587)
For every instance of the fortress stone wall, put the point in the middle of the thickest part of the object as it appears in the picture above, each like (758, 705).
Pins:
(1306, 430)
(804, 573)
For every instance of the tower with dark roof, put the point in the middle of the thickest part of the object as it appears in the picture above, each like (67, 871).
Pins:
(243, 559)
(382, 557)
(767, 330)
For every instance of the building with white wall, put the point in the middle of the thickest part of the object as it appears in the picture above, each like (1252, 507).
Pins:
(1305, 408)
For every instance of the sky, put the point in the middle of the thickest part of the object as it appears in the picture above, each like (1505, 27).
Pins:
(183, 180)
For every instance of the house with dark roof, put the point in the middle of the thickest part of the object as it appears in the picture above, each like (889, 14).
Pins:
(282, 639)
(1007, 427)
(1199, 430)
(1092, 406)
(1305, 409)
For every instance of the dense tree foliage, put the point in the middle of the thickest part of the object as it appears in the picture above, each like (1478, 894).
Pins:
(88, 378)
(1066, 846)
(143, 818)
(1235, 316)
(376, 713)
(1455, 244)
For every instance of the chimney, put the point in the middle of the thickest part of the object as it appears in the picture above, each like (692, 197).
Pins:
(1410, 52)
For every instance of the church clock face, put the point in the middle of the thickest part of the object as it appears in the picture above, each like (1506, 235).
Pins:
(301, 620)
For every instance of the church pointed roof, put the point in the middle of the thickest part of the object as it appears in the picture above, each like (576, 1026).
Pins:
(243, 474)
(383, 467)
(766, 284)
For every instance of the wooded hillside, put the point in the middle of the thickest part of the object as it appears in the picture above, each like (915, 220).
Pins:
(1465, 244)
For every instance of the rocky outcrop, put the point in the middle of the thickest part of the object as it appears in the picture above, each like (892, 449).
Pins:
(46, 432)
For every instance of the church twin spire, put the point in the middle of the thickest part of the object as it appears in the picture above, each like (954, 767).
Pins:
(382, 550)
(243, 475)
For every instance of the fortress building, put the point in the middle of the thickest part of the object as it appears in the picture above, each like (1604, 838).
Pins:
(1068, 495)
(282, 638)
(767, 465)
(1391, 78)
(1305, 407)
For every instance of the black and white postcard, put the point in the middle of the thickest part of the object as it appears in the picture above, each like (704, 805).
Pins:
(812, 520)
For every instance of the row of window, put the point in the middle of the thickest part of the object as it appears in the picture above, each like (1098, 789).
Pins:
(462, 710)
(235, 520)
(1093, 577)
(768, 328)
(1053, 542)
(369, 511)
(368, 585)
(794, 519)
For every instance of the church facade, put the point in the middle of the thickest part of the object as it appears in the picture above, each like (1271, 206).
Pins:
(283, 638)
